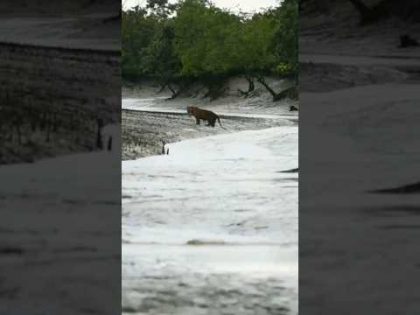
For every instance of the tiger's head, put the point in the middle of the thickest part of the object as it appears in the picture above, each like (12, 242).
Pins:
(191, 110)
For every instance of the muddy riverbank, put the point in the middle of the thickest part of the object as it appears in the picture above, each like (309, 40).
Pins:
(144, 131)
(53, 106)
(148, 117)
(361, 106)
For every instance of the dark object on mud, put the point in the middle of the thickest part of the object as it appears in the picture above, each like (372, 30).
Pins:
(406, 189)
(203, 114)
(205, 242)
(407, 41)
(293, 170)
(293, 109)
(99, 143)
(110, 144)
(163, 148)
(11, 251)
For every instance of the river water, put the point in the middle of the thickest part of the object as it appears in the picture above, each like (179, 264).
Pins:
(212, 228)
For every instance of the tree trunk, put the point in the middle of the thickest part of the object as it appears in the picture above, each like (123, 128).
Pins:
(216, 88)
(175, 93)
(291, 92)
(251, 86)
(162, 87)
(268, 88)
(99, 143)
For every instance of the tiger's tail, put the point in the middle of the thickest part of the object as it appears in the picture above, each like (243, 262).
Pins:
(218, 119)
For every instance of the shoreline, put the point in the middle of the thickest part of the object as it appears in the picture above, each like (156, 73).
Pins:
(148, 117)
(58, 118)
(144, 131)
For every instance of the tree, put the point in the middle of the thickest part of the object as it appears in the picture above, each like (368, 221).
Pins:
(194, 41)
(138, 30)
(285, 47)
(287, 38)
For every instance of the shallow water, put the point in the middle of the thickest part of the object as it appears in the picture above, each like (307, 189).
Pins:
(213, 220)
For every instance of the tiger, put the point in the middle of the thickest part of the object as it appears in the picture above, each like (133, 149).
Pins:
(202, 114)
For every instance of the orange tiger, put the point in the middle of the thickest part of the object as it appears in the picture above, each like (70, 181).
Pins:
(202, 114)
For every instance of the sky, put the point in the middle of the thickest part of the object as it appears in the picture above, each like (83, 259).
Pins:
(235, 5)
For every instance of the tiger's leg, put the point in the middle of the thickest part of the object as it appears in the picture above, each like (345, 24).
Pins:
(197, 121)
(212, 122)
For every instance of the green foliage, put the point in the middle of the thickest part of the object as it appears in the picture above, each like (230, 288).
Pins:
(256, 50)
(204, 40)
(193, 39)
(138, 30)
(284, 69)
(287, 36)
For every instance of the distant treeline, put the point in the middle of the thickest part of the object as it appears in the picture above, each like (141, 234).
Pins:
(194, 41)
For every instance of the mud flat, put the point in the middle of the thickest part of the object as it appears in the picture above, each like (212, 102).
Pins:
(148, 117)
(243, 280)
(203, 231)
(52, 99)
(71, 24)
(371, 121)
(143, 131)
(64, 233)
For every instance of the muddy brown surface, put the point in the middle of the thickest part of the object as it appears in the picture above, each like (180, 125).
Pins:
(143, 132)
(51, 99)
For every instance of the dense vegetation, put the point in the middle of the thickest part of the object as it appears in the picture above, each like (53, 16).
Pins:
(194, 41)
